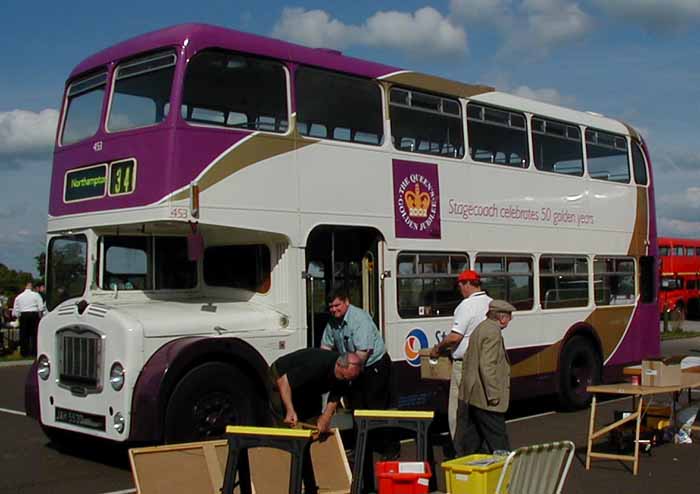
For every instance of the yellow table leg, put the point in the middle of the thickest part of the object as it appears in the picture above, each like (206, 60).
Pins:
(591, 426)
(636, 443)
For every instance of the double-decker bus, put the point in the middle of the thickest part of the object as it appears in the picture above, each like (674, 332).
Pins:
(680, 277)
(210, 187)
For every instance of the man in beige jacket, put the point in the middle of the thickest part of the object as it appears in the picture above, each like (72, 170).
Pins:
(485, 390)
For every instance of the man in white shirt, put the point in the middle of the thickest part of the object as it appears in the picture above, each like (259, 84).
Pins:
(29, 307)
(468, 314)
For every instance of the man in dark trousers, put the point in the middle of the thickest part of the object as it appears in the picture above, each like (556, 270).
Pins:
(28, 307)
(298, 380)
(485, 391)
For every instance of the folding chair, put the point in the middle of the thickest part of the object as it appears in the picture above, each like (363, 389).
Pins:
(537, 469)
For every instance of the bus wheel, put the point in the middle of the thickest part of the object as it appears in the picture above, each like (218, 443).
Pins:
(210, 397)
(580, 366)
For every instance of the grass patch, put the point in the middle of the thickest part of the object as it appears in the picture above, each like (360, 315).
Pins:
(678, 334)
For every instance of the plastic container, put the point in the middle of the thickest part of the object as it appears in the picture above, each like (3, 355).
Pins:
(402, 477)
(473, 474)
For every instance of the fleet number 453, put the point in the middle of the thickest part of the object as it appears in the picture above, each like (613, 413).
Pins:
(179, 213)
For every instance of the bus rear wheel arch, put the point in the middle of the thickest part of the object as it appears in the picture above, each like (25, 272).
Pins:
(580, 365)
(208, 398)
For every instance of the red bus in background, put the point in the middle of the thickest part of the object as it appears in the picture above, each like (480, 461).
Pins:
(680, 277)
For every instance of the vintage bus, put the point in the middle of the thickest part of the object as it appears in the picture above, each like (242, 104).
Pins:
(680, 277)
(210, 187)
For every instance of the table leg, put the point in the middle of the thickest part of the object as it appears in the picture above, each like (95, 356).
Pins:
(591, 426)
(636, 433)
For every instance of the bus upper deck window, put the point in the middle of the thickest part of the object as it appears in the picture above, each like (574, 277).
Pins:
(83, 107)
(497, 136)
(426, 123)
(606, 156)
(236, 91)
(141, 93)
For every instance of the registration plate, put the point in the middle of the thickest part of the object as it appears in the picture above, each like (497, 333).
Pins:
(95, 422)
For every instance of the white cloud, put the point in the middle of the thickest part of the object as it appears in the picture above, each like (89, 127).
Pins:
(424, 31)
(314, 28)
(673, 227)
(488, 11)
(655, 15)
(27, 132)
(690, 198)
(547, 95)
(552, 22)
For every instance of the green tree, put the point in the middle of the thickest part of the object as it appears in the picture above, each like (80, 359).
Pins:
(41, 264)
(12, 282)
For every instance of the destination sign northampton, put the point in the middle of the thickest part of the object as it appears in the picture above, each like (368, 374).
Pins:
(86, 183)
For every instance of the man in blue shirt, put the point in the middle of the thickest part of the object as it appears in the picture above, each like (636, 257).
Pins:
(352, 330)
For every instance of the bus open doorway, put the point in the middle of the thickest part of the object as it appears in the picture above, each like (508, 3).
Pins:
(353, 252)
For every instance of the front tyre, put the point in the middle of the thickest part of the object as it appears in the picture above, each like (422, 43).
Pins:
(580, 366)
(207, 399)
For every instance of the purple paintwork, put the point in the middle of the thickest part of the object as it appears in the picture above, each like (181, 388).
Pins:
(643, 338)
(202, 36)
(170, 363)
(172, 154)
(31, 394)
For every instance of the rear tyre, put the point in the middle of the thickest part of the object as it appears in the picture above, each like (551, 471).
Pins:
(206, 400)
(580, 366)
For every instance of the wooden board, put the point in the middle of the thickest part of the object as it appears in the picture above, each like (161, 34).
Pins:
(199, 468)
(180, 468)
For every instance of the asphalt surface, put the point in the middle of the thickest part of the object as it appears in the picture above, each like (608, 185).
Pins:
(30, 464)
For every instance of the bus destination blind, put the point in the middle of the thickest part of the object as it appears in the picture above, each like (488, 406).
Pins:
(85, 183)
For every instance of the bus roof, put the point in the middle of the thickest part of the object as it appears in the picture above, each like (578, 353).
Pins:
(674, 241)
(200, 36)
(208, 35)
(555, 111)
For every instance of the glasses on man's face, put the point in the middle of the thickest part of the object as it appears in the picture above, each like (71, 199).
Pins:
(336, 305)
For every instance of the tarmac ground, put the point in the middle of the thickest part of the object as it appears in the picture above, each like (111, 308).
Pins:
(31, 464)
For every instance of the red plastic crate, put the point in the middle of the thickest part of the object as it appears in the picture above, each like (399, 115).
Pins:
(391, 481)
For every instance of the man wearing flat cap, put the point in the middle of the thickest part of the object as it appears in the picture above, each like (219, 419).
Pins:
(468, 314)
(485, 391)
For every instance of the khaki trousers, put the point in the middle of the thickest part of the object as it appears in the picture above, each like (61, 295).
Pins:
(455, 382)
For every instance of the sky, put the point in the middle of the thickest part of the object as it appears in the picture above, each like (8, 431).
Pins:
(635, 60)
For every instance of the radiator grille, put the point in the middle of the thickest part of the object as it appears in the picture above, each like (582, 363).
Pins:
(80, 358)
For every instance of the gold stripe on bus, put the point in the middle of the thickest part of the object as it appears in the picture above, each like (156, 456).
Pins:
(640, 234)
(633, 132)
(258, 148)
(437, 84)
(544, 361)
(609, 323)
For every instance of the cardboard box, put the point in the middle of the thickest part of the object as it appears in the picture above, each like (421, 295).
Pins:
(440, 369)
(662, 371)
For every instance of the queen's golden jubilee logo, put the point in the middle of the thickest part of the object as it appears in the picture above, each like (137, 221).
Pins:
(418, 202)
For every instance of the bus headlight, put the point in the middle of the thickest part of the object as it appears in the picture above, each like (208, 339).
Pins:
(119, 422)
(43, 367)
(116, 376)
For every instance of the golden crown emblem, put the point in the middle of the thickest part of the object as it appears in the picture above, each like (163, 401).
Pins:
(418, 202)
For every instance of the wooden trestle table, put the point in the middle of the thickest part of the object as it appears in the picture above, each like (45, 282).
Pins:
(690, 378)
